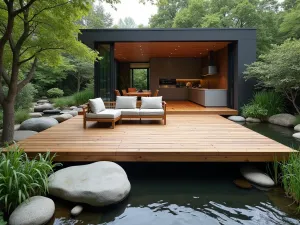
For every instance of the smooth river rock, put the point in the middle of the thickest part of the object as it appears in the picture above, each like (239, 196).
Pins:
(297, 128)
(253, 120)
(20, 135)
(35, 115)
(72, 112)
(97, 184)
(283, 119)
(76, 210)
(51, 111)
(38, 124)
(42, 101)
(36, 210)
(62, 117)
(256, 176)
(236, 118)
(296, 135)
(43, 107)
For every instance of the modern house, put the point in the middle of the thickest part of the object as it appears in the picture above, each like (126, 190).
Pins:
(204, 66)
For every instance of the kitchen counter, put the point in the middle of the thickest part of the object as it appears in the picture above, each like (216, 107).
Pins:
(208, 97)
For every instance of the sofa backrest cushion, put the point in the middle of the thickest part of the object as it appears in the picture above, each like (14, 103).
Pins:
(151, 102)
(126, 102)
(96, 105)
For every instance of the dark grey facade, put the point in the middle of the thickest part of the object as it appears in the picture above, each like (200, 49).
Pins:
(242, 51)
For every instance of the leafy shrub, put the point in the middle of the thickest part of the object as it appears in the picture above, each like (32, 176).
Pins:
(2, 222)
(270, 100)
(21, 178)
(21, 116)
(64, 101)
(255, 111)
(290, 176)
(83, 96)
(55, 93)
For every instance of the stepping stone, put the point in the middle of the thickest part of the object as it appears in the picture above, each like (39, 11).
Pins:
(20, 135)
(236, 118)
(241, 183)
(73, 107)
(42, 101)
(41, 108)
(62, 117)
(51, 111)
(72, 112)
(296, 135)
(36, 210)
(35, 115)
(253, 120)
(256, 176)
(76, 210)
(38, 124)
(297, 128)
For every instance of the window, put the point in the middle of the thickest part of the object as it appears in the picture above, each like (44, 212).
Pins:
(140, 79)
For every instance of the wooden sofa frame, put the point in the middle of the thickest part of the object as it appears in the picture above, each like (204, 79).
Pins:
(111, 105)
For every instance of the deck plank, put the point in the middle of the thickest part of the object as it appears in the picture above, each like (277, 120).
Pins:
(185, 138)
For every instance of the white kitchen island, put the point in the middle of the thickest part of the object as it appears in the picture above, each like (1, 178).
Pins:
(208, 97)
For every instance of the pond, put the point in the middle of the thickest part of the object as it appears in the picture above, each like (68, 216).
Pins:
(278, 133)
(186, 193)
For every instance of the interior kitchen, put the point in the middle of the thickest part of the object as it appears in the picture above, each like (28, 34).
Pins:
(200, 80)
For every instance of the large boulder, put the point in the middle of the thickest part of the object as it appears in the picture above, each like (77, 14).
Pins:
(43, 107)
(62, 117)
(36, 210)
(256, 176)
(20, 135)
(236, 118)
(297, 128)
(97, 184)
(296, 135)
(283, 119)
(38, 124)
(253, 120)
(35, 115)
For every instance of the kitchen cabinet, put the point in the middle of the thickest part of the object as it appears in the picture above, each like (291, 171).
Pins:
(208, 97)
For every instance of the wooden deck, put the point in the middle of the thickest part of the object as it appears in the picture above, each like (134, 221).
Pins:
(185, 138)
(187, 107)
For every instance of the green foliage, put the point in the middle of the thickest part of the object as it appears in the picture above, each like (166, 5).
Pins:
(21, 178)
(21, 115)
(291, 176)
(127, 22)
(263, 105)
(64, 102)
(290, 27)
(297, 120)
(140, 79)
(83, 96)
(270, 100)
(55, 93)
(1, 119)
(255, 111)
(25, 97)
(279, 69)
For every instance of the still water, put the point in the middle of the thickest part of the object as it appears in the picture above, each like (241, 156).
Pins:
(192, 194)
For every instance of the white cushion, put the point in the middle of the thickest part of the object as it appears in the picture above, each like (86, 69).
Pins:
(130, 112)
(105, 114)
(151, 112)
(126, 102)
(96, 105)
(151, 102)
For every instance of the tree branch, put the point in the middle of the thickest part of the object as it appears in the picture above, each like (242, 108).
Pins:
(23, 8)
(39, 51)
(5, 76)
(29, 76)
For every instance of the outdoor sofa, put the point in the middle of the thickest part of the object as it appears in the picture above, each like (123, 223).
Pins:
(124, 107)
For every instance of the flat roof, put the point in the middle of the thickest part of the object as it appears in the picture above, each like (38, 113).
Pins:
(92, 36)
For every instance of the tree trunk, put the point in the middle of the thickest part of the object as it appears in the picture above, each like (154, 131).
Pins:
(78, 84)
(8, 122)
